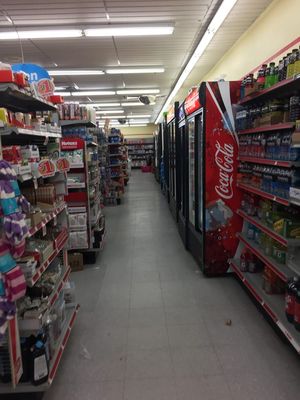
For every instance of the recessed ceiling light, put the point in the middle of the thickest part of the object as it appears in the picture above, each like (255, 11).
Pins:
(135, 70)
(78, 72)
(129, 31)
(41, 34)
(138, 91)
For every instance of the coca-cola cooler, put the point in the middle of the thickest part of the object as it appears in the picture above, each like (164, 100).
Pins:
(212, 161)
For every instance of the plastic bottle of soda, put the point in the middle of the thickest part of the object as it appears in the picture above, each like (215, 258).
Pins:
(297, 310)
(290, 298)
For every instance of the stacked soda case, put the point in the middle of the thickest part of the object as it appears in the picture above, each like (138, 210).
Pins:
(268, 113)
(269, 75)
(273, 180)
(276, 146)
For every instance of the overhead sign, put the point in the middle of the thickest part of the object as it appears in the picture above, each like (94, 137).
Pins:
(171, 114)
(38, 76)
(192, 102)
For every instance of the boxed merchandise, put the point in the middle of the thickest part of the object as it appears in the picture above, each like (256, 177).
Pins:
(76, 261)
(69, 293)
(78, 220)
(30, 153)
(287, 228)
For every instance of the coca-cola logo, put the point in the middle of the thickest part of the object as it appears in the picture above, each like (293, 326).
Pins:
(224, 160)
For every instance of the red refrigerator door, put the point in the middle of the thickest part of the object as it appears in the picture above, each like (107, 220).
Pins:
(222, 197)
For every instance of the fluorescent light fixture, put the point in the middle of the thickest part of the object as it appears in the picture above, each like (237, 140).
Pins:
(100, 105)
(135, 104)
(129, 31)
(135, 70)
(60, 87)
(41, 34)
(110, 112)
(62, 93)
(93, 93)
(213, 27)
(132, 104)
(135, 125)
(141, 121)
(139, 116)
(74, 72)
(104, 117)
(138, 91)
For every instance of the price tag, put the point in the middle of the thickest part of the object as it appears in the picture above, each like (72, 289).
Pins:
(44, 230)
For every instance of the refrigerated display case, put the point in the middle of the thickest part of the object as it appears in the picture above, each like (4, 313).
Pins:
(182, 182)
(172, 135)
(213, 196)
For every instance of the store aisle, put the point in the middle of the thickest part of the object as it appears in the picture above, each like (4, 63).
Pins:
(151, 327)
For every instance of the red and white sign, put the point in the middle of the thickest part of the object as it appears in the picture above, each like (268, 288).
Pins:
(46, 168)
(224, 159)
(192, 102)
(71, 144)
(62, 165)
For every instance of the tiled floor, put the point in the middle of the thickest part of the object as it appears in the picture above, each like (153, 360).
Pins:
(151, 327)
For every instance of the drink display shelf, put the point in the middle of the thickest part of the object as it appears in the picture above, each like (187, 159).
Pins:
(266, 161)
(268, 128)
(273, 305)
(281, 89)
(261, 193)
(264, 228)
(281, 270)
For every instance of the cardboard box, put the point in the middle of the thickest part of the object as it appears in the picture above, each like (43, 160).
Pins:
(76, 261)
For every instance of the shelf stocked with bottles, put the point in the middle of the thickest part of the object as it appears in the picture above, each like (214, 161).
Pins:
(140, 151)
(267, 261)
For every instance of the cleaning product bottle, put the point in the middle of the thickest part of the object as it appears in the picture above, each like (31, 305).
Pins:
(39, 364)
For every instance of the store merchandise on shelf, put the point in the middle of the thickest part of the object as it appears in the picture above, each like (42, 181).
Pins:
(269, 75)
(35, 267)
(104, 162)
(80, 147)
(140, 152)
(269, 176)
(117, 154)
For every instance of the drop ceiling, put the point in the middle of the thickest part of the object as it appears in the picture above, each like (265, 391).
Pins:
(189, 17)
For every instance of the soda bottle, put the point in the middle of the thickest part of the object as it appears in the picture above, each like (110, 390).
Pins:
(280, 69)
(244, 260)
(297, 310)
(292, 61)
(285, 66)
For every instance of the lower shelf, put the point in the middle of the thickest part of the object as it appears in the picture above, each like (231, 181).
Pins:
(273, 304)
(71, 315)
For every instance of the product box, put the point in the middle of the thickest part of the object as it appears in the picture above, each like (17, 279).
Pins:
(252, 89)
(271, 118)
(288, 228)
(76, 261)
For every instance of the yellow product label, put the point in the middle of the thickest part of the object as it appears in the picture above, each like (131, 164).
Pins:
(278, 225)
(4, 115)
